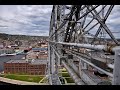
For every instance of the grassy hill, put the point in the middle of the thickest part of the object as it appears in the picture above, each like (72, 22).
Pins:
(20, 37)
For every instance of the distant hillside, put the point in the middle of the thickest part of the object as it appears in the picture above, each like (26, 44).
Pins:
(20, 37)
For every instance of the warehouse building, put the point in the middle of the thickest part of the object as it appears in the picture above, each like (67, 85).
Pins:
(33, 67)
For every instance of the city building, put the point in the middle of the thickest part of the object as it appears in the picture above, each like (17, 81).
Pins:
(38, 53)
(33, 67)
(39, 49)
(1, 46)
(7, 51)
(42, 55)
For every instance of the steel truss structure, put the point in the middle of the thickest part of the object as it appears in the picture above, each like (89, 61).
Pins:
(78, 40)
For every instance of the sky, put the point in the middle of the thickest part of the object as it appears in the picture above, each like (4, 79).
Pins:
(25, 19)
(34, 19)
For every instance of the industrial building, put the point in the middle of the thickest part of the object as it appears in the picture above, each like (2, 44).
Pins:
(33, 67)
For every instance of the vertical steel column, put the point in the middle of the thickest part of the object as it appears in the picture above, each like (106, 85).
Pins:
(53, 62)
(57, 21)
(49, 65)
(116, 71)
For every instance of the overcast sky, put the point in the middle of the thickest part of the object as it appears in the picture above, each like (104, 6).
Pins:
(25, 19)
(34, 19)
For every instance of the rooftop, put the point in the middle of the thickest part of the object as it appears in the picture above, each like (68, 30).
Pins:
(39, 49)
(17, 61)
(34, 62)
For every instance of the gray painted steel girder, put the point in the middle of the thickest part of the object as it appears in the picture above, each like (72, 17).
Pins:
(89, 46)
(77, 80)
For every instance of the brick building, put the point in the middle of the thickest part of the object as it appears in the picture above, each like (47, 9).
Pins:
(38, 53)
(42, 55)
(34, 67)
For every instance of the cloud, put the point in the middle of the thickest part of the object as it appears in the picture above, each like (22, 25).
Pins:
(34, 19)
(25, 19)
(113, 21)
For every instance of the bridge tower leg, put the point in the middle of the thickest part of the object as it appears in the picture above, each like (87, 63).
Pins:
(116, 72)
